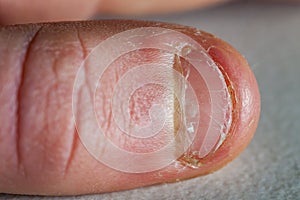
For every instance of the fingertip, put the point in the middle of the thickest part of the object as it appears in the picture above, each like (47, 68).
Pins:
(57, 160)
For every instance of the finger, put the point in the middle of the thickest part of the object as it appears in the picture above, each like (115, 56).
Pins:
(40, 149)
(135, 7)
(30, 11)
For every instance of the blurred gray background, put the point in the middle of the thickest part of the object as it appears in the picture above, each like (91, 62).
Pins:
(268, 35)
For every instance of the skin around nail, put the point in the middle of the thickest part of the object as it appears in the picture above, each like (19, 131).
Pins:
(40, 149)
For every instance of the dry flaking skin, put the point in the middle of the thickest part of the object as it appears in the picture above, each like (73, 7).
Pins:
(187, 159)
(191, 157)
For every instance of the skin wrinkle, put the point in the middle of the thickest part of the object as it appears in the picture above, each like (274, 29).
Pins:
(75, 138)
(84, 54)
(19, 99)
(52, 98)
(74, 145)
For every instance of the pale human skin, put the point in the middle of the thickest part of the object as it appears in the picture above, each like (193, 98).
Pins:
(39, 148)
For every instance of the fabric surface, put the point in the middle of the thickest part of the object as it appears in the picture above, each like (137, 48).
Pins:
(268, 36)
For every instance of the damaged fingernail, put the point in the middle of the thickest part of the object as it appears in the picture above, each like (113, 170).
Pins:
(152, 96)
